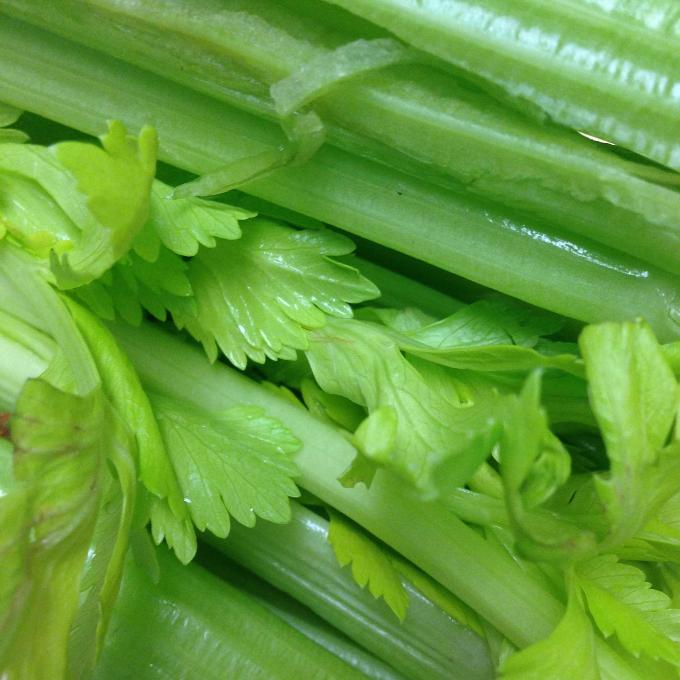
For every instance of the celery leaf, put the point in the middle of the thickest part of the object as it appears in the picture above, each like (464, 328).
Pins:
(621, 601)
(256, 297)
(569, 651)
(184, 224)
(134, 284)
(61, 445)
(371, 565)
(492, 335)
(237, 463)
(9, 115)
(435, 437)
(125, 391)
(534, 465)
(78, 204)
(178, 533)
(634, 396)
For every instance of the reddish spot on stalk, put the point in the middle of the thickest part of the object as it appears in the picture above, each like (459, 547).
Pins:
(4, 425)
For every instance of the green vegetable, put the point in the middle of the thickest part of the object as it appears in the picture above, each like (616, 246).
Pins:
(541, 265)
(481, 484)
(88, 204)
(192, 622)
(398, 115)
(60, 477)
(297, 558)
(581, 63)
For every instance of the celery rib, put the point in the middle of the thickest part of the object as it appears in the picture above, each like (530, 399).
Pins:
(413, 118)
(297, 559)
(610, 69)
(81, 88)
(192, 625)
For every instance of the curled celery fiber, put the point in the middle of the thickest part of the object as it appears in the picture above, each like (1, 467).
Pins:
(297, 558)
(81, 88)
(412, 117)
(609, 68)
(193, 625)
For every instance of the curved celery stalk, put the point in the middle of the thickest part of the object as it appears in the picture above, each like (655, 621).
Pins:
(573, 277)
(414, 118)
(610, 69)
(191, 624)
(297, 559)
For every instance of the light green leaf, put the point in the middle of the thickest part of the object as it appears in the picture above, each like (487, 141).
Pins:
(441, 438)
(116, 180)
(125, 391)
(79, 204)
(237, 463)
(493, 335)
(135, 284)
(12, 136)
(534, 465)
(491, 322)
(376, 436)
(178, 533)
(8, 115)
(184, 224)
(634, 396)
(6, 474)
(256, 297)
(659, 539)
(371, 564)
(621, 601)
(26, 353)
(29, 297)
(103, 567)
(568, 653)
(407, 320)
(61, 444)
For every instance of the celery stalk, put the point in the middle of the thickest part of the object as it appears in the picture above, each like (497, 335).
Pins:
(297, 559)
(191, 624)
(573, 277)
(411, 117)
(297, 615)
(610, 69)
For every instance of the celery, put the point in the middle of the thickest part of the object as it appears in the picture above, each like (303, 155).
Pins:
(449, 229)
(412, 112)
(480, 573)
(297, 615)
(191, 624)
(297, 559)
(607, 68)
